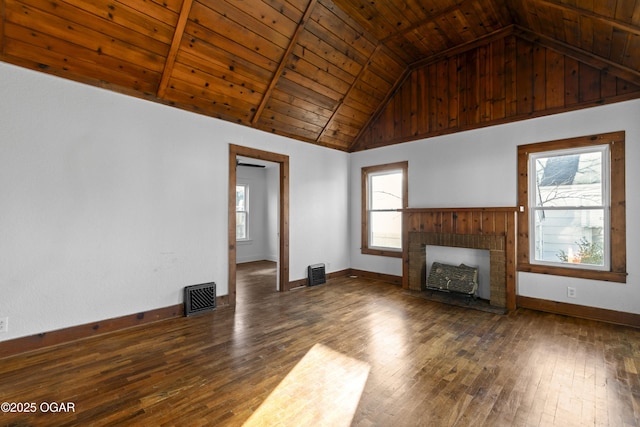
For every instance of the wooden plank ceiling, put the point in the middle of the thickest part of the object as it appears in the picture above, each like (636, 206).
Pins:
(345, 74)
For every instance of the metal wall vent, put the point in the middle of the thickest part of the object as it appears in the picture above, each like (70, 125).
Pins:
(316, 274)
(199, 298)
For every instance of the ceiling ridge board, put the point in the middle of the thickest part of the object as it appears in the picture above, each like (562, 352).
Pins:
(465, 47)
(283, 62)
(625, 26)
(581, 55)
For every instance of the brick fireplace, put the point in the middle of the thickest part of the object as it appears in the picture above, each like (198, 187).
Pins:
(492, 229)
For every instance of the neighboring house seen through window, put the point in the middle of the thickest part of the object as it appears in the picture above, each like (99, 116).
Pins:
(384, 194)
(572, 219)
(569, 205)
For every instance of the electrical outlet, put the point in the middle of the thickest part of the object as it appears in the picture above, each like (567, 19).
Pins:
(571, 292)
(4, 324)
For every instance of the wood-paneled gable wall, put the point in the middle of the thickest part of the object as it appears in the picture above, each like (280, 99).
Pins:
(503, 80)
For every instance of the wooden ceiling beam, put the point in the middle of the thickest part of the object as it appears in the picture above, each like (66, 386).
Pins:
(633, 29)
(356, 143)
(175, 46)
(581, 55)
(351, 89)
(461, 48)
(283, 62)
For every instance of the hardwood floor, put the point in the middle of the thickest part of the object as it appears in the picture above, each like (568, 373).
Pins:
(429, 363)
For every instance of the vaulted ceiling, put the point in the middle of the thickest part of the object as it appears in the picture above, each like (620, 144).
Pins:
(326, 71)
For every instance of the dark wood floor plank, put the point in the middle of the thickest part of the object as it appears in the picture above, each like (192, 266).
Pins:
(430, 363)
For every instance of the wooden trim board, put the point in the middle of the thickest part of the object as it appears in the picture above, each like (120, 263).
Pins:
(581, 311)
(73, 333)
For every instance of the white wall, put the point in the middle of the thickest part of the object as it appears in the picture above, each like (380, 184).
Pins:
(272, 249)
(111, 204)
(256, 247)
(478, 168)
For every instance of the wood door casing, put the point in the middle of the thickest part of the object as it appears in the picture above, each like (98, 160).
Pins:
(283, 161)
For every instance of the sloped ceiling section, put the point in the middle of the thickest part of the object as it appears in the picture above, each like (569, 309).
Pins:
(345, 74)
(507, 79)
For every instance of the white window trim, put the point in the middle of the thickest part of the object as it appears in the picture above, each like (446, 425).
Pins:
(606, 206)
(247, 237)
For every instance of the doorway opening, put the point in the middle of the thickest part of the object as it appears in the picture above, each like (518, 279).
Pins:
(236, 152)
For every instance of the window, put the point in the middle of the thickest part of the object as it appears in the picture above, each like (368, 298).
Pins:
(572, 219)
(242, 212)
(384, 194)
(569, 207)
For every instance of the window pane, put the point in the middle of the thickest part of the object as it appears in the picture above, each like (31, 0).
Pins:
(570, 236)
(241, 225)
(240, 198)
(385, 229)
(386, 191)
(569, 180)
(588, 173)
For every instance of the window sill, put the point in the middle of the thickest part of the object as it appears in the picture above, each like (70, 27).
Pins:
(382, 252)
(608, 276)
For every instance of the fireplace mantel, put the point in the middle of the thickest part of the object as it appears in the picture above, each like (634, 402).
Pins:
(491, 228)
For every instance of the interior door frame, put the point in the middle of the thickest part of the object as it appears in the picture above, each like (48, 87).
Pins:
(283, 160)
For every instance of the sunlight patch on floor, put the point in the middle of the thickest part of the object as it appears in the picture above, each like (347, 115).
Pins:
(323, 389)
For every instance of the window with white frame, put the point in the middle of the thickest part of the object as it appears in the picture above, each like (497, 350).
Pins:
(569, 207)
(571, 194)
(242, 212)
(384, 191)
